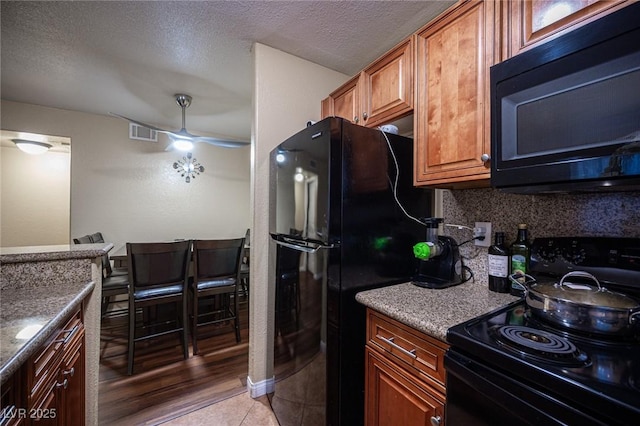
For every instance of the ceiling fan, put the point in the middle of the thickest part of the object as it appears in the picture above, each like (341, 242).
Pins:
(181, 139)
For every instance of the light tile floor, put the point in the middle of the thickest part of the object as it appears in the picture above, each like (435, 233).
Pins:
(240, 410)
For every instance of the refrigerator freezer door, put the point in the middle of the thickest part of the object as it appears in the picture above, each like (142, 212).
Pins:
(302, 183)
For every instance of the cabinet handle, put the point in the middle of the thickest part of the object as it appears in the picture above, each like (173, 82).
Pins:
(64, 384)
(356, 119)
(365, 115)
(70, 372)
(435, 420)
(485, 157)
(390, 340)
(69, 335)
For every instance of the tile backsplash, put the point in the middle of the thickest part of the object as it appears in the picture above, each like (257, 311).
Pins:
(610, 214)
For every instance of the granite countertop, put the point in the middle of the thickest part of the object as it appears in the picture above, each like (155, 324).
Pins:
(37, 295)
(433, 311)
(55, 252)
(37, 312)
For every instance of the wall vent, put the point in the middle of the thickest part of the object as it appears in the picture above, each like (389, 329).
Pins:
(142, 133)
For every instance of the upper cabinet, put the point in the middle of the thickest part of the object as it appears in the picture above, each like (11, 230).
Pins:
(344, 102)
(451, 120)
(528, 23)
(381, 93)
(441, 75)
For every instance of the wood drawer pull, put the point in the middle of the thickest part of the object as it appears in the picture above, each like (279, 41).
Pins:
(390, 340)
(69, 335)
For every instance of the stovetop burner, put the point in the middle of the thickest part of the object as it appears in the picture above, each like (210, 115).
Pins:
(539, 345)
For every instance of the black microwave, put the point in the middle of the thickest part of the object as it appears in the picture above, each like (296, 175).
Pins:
(565, 116)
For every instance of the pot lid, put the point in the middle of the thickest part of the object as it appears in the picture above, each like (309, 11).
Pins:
(580, 293)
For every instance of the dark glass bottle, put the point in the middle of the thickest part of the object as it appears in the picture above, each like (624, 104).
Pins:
(499, 265)
(520, 253)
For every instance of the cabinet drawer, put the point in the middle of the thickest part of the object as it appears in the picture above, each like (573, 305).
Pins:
(408, 347)
(42, 367)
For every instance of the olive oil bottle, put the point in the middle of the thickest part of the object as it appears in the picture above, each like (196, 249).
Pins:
(520, 254)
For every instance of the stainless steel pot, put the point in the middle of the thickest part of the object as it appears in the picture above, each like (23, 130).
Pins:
(582, 307)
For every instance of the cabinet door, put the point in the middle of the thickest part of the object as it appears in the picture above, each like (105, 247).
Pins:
(528, 23)
(387, 86)
(46, 411)
(394, 397)
(73, 395)
(72, 374)
(452, 107)
(345, 102)
(55, 377)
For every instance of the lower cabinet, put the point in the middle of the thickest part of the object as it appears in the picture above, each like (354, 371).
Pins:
(10, 392)
(404, 379)
(49, 388)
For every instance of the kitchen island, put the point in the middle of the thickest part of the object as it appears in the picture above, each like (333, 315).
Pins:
(433, 311)
(43, 289)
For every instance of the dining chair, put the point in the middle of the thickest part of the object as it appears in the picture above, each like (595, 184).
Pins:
(115, 281)
(244, 266)
(158, 275)
(112, 286)
(107, 270)
(215, 283)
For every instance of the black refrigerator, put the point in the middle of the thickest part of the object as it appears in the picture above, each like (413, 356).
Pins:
(345, 219)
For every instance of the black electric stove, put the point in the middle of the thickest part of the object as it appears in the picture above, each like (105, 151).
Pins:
(511, 366)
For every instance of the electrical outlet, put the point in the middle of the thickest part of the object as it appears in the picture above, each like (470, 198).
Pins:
(482, 229)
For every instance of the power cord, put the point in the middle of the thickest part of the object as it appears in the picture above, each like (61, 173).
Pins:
(470, 277)
(481, 237)
(395, 196)
(395, 182)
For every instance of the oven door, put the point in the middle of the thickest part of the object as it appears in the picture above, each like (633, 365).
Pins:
(480, 395)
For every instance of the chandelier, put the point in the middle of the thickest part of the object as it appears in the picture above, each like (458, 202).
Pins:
(188, 167)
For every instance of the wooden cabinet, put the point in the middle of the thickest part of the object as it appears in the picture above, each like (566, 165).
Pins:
(49, 389)
(528, 23)
(451, 120)
(72, 374)
(381, 93)
(405, 377)
(344, 102)
(11, 400)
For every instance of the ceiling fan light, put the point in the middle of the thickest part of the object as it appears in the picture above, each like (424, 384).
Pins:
(183, 145)
(32, 147)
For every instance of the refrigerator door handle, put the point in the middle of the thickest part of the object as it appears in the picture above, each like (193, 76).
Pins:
(304, 246)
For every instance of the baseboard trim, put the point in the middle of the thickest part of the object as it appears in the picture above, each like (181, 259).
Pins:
(263, 387)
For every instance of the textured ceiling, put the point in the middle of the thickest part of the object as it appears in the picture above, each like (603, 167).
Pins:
(131, 57)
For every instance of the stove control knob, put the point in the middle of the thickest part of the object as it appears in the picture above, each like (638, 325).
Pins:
(575, 255)
(436, 420)
(548, 254)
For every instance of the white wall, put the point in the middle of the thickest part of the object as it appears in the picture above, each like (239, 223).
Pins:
(128, 190)
(42, 218)
(287, 93)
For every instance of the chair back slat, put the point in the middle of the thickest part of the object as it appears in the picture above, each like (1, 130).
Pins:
(217, 258)
(85, 239)
(155, 264)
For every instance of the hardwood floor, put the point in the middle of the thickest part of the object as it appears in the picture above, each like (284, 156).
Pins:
(164, 385)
